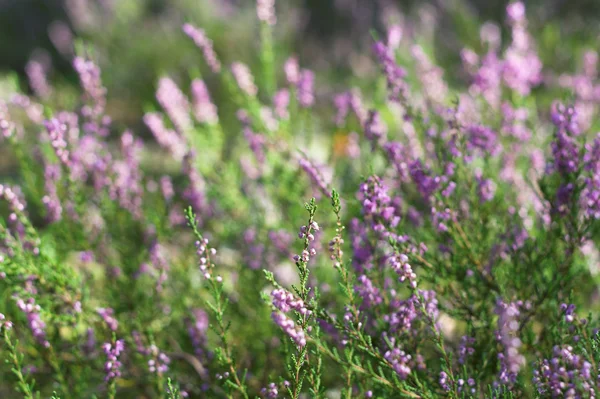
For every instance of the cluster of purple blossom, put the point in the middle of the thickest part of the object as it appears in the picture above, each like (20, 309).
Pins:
(112, 367)
(36, 324)
(204, 253)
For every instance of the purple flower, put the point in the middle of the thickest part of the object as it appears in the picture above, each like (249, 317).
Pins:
(107, 316)
(58, 139)
(175, 104)
(377, 206)
(286, 301)
(564, 147)
(270, 392)
(368, 292)
(166, 138)
(481, 138)
(112, 367)
(197, 327)
(292, 71)
(430, 76)
(51, 200)
(5, 324)
(394, 74)
(289, 327)
(126, 186)
(204, 109)
(6, 125)
(244, 78)
(194, 194)
(591, 192)
(36, 73)
(511, 360)
(425, 183)
(403, 269)
(375, 128)
(281, 101)
(95, 93)
(465, 349)
(486, 188)
(305, 87)
(315, 176)
(265, 10)
(256, 142)
(399, 361)
(36, 324)
(205, 44)
(159, 363)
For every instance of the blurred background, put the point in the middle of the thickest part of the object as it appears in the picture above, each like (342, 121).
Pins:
(137, 41)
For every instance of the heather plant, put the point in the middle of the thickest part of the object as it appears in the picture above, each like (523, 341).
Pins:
(423, 239)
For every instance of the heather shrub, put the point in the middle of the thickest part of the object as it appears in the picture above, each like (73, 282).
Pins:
(419, 238)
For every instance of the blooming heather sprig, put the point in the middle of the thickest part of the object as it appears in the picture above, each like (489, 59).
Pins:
(486, 188)
(166, 188)
(61, 37)
(292, 71)
(126, 186)
(159, 363)
(565, 148)
(510, 359)
(194, 193)
(296, 333)
(394, 74)
(306, 233)
(5, 324)
(522, 68)
(430, 76)
(89, 76)
(224, 356)
(205, 44)
(487, 77)
(403, 269)
(591, 192)
(58, 140)
(265, 11)
(204, 109)
(465, 348)
(286, 301)
(368, 292)
(6, 125)
(175, 104)
(51, 200)
(14, 202)
(426, 184)
(112, 366)
(159, 263)
(36, 73)
(315, 176)
(281, 102)
(36, 324)
(375, 128)
(377, 206)
(305, 93)
(197, 327)
(166, 138)
(256, 142)
(399, 361)
(244, 78)
(204, 253)
(107, 315)
(481, 138)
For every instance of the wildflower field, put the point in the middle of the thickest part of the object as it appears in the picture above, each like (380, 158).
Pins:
(227, 199)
